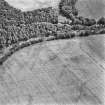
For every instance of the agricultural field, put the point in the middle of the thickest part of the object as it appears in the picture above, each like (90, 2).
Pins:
(53, 53)
(91, 8)
(62, 71)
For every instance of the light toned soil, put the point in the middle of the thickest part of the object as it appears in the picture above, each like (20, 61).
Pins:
(65, 71)
(91, 8)
(28, 5)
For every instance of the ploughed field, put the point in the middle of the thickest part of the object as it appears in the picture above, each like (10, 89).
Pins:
(62, 57)
(60, 71)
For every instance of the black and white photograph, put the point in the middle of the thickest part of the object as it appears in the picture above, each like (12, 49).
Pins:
(52, 52)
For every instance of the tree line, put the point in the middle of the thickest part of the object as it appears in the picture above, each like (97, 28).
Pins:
(16, 25)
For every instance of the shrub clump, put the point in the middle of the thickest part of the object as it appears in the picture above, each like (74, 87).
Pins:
(86, 21)
(101, 21)
(67, 7)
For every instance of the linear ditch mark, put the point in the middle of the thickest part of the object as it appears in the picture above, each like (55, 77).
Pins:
(93, 60)
(35, 41)
(83, 84)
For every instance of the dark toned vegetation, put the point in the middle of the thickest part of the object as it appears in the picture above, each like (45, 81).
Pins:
(14, 34)
(101, 21)
(85, 21)
(16, 25)
(67, 8)
(13, 16)
(20, 29)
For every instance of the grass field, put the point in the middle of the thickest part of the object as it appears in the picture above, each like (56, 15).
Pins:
(64, 71)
